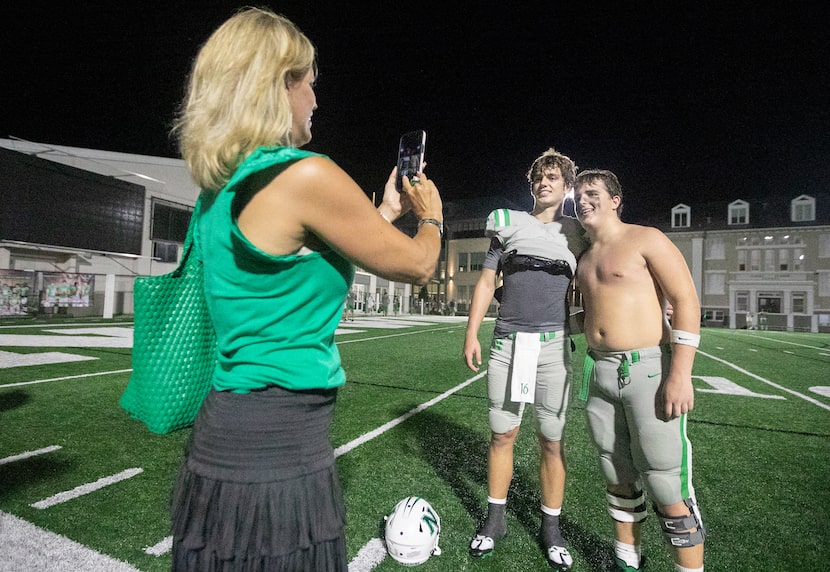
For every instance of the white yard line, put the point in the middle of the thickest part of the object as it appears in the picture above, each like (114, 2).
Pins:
(396, 335)
(26, 547)
(779, 341)
(65, 377)
(366, 437)
(372, 554)
(768, 382)
(160, 548)
(86, 489)
(27, 454)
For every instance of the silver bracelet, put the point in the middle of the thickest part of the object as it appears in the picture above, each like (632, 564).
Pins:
(436, 222)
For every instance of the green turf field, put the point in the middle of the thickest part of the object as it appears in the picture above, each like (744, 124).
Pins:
(81, 482)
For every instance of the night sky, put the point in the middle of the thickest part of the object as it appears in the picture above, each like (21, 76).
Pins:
(684, 101)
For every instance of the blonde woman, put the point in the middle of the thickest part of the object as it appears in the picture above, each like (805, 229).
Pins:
(280, 230)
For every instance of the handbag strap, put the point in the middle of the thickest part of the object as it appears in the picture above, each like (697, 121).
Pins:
(191, 242)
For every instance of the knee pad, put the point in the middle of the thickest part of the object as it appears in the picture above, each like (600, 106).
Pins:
(624, 509)
(504, 420)
(677, 530)
(550, 427)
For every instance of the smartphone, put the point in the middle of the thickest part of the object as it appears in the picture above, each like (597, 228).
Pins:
(411, 155)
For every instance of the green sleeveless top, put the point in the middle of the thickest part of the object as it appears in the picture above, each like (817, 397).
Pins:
(275, 316)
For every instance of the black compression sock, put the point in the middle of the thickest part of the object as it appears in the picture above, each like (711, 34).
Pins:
(551, 534)
(494, 525)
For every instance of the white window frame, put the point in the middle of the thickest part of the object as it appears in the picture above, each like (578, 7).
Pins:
(738, 210)
(802, 297)
(824, 283)
(784, 260)
(742, 261)
(769, 260)
(824, 246)
(803, 209)
(742, 301)
(681, 216)
(755, 261)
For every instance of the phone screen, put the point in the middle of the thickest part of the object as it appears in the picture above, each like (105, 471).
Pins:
(410, 154)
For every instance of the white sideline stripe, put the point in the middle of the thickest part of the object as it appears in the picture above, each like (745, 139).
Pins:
(86, 489)
(27, 454)
(768, 382)
(372, 554)
(366, 437)
(779, 341)
(26, 547)
(160, 548)
(396, 335)
(66, 377)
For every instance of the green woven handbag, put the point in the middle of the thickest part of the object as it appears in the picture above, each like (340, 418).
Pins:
(174, 344)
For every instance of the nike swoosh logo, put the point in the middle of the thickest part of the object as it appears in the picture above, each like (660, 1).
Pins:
(653, 375)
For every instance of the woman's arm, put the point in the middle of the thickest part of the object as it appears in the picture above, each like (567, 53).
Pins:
(314, 199)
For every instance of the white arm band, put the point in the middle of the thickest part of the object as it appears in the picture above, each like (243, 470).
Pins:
(685, 338)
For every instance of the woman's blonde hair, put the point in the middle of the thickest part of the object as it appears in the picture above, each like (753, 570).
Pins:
(236, 98)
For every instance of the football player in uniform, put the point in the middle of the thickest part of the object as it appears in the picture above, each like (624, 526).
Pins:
(533, 255)
(639, 368)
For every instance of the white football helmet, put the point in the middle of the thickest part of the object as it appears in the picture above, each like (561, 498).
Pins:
(412, 531)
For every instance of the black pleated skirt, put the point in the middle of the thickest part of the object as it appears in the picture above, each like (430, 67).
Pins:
(258, 491)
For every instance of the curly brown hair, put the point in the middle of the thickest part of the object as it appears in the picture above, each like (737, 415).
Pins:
(553, 158)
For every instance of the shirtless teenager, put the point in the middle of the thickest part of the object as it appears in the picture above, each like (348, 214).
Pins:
(640, 387)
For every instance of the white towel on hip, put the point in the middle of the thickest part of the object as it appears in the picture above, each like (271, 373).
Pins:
(526, 349)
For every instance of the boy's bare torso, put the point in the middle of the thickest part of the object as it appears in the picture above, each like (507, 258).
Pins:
(624, 306)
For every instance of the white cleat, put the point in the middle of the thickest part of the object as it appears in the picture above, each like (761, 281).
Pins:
(482, 546)
(559, 558)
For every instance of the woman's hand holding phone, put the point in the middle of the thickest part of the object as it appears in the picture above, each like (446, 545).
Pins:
(422, 197)
(394, 202)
